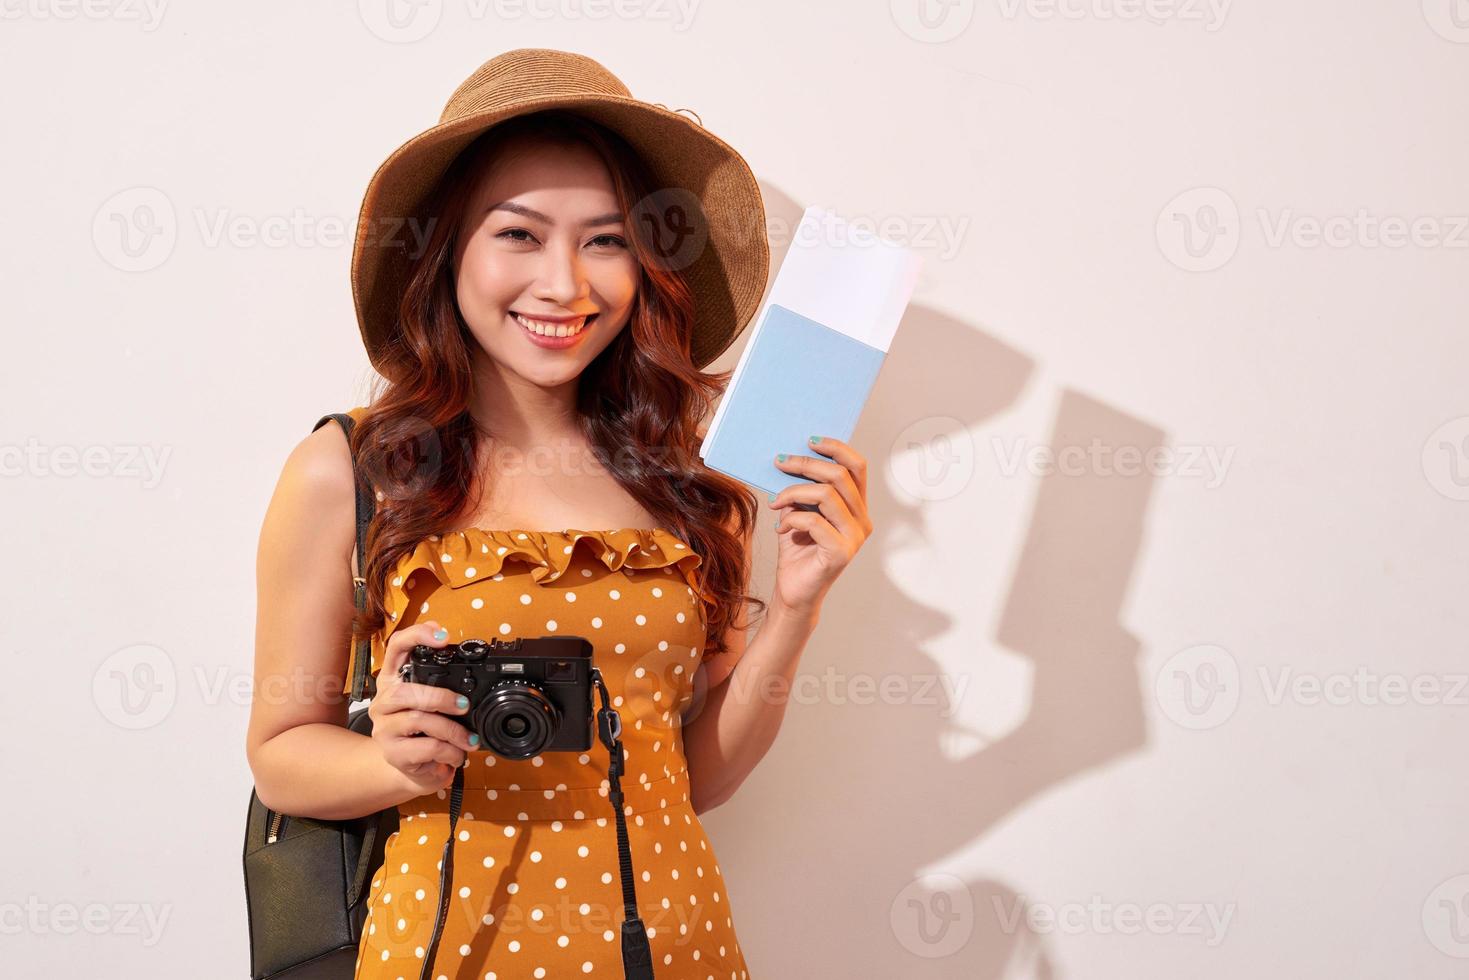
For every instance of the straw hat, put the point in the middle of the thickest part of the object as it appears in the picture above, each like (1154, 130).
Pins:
(703, 187)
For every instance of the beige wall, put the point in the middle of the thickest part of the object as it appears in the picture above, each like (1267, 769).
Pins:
(1191, 703)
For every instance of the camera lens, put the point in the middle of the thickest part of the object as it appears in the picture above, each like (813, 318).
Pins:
(516, 720)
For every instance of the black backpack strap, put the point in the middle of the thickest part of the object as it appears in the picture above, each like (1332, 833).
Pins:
(361, 659)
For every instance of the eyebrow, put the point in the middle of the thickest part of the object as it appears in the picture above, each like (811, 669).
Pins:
(611, 218)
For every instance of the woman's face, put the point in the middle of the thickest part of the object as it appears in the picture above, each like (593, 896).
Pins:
(543, 240)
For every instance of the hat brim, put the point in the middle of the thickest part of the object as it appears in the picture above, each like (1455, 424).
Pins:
(727, 272)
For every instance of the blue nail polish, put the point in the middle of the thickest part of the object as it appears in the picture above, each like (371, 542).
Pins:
(780, 457)
(772, 498)
(473, 738)
(461, 701)
(441, 634)
(815, 440)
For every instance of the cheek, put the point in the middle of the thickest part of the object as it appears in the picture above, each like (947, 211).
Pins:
(615, 284)
(487, 280)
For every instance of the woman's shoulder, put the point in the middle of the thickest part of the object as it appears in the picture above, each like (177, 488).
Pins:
(318, 471)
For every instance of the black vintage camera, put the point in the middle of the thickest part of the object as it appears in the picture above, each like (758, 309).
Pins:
(526, 696)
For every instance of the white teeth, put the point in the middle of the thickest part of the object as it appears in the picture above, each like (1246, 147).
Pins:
(546, 329)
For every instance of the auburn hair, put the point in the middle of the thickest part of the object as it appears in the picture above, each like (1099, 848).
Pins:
(639, 402)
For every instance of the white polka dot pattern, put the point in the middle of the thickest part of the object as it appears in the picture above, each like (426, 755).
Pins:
(537, 890)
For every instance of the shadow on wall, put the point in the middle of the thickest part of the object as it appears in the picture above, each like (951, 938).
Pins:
(825, 844)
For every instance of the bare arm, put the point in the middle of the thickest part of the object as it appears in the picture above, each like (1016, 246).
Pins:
(740, 700)
(305, 761)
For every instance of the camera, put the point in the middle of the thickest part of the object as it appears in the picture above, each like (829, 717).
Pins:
(526, 696)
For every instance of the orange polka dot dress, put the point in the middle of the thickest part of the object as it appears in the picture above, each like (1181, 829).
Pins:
(536, 888)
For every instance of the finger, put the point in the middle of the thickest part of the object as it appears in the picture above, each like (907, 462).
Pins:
(402, 642)
(828, 501)
(410, 723)
(854, 462)
(815, 525)
(410, 695)
(422, 751)
(836, 476)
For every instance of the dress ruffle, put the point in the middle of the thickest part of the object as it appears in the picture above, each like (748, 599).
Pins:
(461, 558)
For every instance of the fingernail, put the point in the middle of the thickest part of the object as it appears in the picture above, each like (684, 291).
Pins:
(461, 701)
(441, 634)
(473, 738)
(772, 498)
(815, 440)
(780, 457)
(777, 523)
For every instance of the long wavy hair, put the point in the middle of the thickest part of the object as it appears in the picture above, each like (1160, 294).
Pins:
(639, 402)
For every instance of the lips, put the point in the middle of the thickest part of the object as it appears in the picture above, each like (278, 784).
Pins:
(558, 328)
(548, 339)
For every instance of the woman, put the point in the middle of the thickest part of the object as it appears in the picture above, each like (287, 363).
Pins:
(540, 343)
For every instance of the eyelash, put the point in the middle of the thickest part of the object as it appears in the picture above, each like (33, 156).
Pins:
(616, 241)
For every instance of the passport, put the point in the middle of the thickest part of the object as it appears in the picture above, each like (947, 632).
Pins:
(816, 350)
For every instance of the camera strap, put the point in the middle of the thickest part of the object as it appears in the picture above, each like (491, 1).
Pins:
(637, 955)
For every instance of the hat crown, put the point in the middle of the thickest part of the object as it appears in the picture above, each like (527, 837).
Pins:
(528, 73)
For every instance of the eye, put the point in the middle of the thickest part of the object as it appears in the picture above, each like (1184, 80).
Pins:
(610, 240)
(510, 233)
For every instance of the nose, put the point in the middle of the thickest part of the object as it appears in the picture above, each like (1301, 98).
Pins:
(561, 280)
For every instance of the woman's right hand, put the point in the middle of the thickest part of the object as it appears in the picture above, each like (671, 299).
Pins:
(401, 710)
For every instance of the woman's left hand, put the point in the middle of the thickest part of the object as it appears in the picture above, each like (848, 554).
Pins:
(815, 545)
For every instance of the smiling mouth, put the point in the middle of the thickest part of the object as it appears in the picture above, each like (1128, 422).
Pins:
(546, 328)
